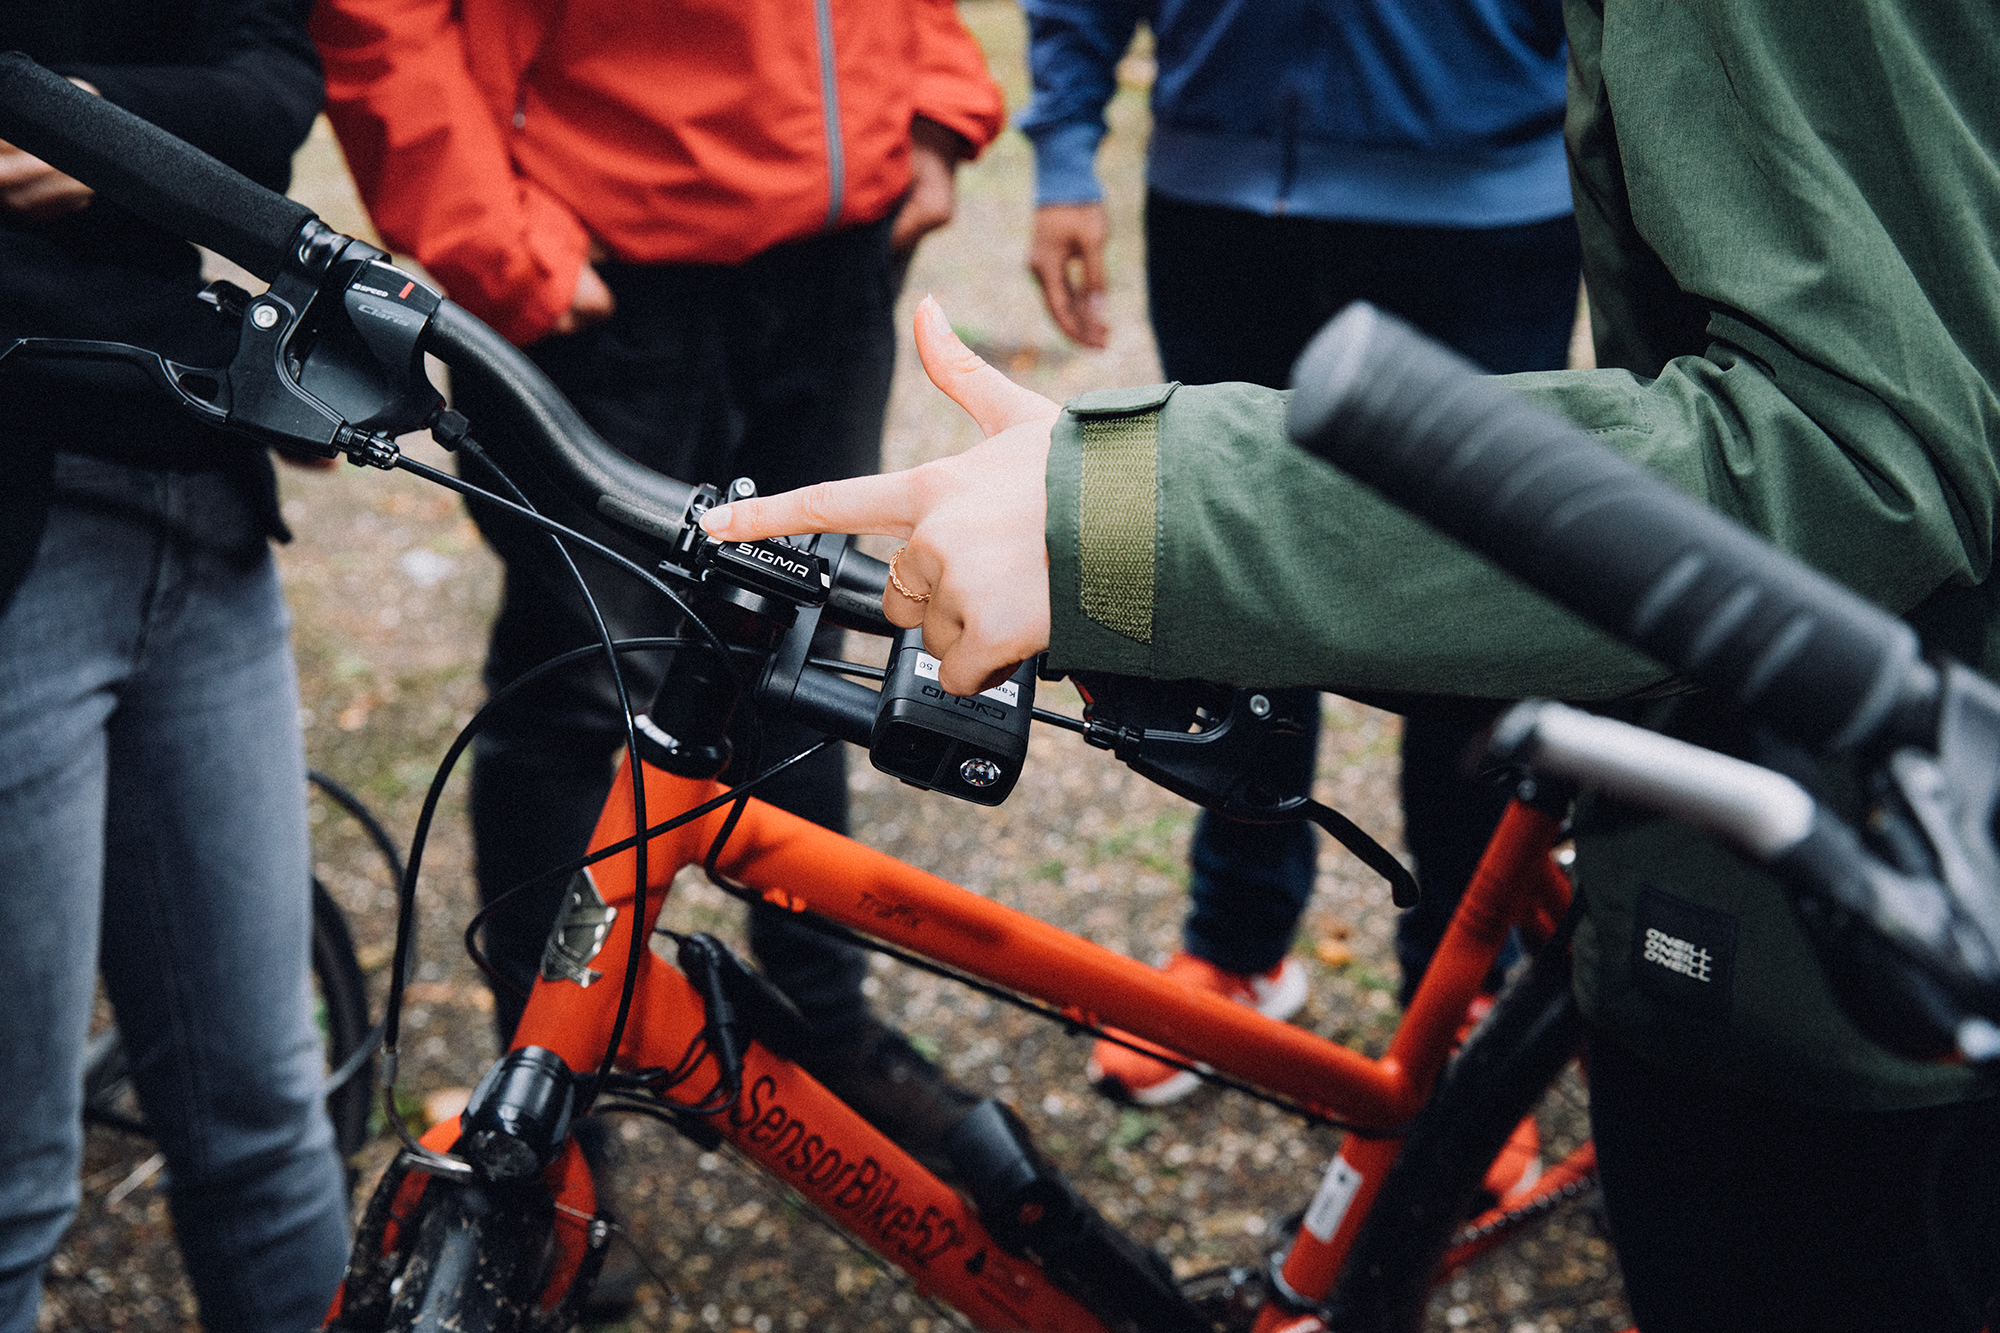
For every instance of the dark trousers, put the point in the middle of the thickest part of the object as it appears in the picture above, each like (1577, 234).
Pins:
(1236, 296)
(776, 369)
(1734, 1214)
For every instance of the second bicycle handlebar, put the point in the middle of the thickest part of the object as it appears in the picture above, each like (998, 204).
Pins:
(1601, 535)
(143, 168)
(190, 194)
(1656, 569)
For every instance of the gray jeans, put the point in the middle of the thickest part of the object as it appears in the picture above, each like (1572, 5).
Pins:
(152, 803)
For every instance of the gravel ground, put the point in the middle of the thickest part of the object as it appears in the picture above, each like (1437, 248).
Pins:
(392, 590)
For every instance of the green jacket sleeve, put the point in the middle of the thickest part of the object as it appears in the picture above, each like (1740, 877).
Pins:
(1269, 567)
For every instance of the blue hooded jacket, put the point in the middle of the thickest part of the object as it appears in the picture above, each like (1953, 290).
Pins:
(1419, 112)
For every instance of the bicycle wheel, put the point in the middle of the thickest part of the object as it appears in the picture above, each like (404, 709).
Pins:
(477, 1265)
(340, 1005)
(436, 1254)
(1496, 1080)
(340, 999)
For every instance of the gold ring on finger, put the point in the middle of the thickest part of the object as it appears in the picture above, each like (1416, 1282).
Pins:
(896, 582)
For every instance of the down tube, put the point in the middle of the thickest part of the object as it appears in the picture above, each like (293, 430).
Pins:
(781, 1117)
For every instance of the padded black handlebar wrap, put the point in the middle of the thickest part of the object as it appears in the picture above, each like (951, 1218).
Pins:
(137, 165)
(594, 474)
(1597, 532)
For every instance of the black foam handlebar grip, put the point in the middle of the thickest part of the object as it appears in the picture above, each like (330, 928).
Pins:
(595, 475)
(141, 167)
(1597, 533)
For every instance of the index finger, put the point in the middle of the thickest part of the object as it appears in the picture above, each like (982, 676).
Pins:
(879, 504)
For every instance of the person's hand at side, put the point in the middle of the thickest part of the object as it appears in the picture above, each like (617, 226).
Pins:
(976, 558)
(593, 302)
(32, 189)
(1067, 259)
(935, 153)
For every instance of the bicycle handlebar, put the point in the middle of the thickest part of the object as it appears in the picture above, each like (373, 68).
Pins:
(1601, 535)
(1908, 908)
(623, 492)
(143, 168)
(178, 187)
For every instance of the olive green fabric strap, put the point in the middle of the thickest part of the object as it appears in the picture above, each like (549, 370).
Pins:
(1117, 522)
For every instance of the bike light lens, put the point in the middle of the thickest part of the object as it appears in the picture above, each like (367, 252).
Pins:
(501, 1158)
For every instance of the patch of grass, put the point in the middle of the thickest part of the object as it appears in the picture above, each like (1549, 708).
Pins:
(1370, 978)
(1150, 844)
(409, 1110)
(1134, 1127)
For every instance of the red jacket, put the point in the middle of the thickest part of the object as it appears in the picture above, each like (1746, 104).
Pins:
(493, 140)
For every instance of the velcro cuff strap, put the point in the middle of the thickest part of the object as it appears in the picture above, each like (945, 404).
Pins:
(1118, 507)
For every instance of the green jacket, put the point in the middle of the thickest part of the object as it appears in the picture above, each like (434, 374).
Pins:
(1792, 244)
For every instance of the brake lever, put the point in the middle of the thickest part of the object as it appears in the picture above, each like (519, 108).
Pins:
(203, 392)
(1900, 905)
(1954, 794)
(1212, 744)
(328, 358)
(1929, 879)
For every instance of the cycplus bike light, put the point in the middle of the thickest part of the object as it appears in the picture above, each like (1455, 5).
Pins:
(970, 747)
(518, 1116)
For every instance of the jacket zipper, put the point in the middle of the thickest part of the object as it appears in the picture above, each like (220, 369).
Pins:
(1288, 154)
(829, 89)
(542, 45)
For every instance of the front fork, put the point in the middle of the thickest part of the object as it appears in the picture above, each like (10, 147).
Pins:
(519, 1255)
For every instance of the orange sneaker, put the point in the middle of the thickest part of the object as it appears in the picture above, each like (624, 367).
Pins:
(1124, 1074)
(1518, 1167)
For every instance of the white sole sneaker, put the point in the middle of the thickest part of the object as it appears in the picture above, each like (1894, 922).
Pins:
(1285, 994)
(1165, 1092)
(1279, 997)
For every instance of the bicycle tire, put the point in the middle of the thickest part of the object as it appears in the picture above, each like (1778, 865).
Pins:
(343, 1015)
(341, 1004)
(1499, 1076)
(476, 1265)
(436, 1254)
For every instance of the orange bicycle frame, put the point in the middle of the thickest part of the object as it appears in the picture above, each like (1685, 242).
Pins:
(812, 1141)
